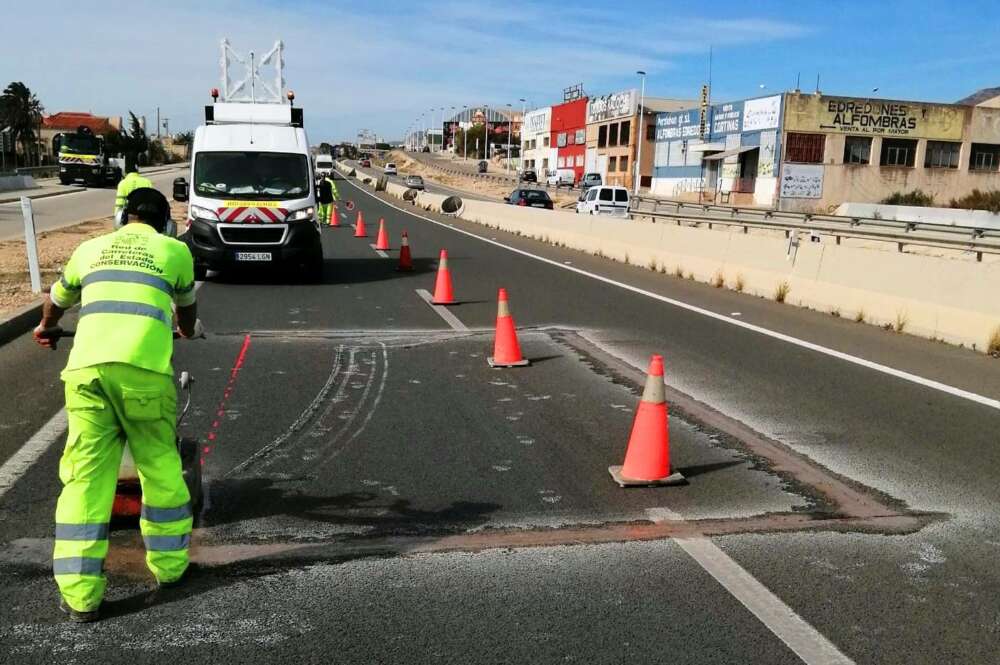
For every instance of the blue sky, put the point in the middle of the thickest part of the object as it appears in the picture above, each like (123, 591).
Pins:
(379, 65)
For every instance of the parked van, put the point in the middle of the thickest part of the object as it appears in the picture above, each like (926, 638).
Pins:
(561, 178)
(252, 199)
(612, 201)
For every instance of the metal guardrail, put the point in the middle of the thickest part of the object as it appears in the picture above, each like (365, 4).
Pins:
(48, 171)
(944, 236)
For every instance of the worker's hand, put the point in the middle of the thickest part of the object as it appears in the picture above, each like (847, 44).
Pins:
(47, 337)
(197, 333)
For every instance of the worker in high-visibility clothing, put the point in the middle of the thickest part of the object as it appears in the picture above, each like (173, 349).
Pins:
(119, 388)
(131, 182)
(328, 194)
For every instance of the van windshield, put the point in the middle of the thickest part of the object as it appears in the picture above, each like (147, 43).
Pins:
(251, 175)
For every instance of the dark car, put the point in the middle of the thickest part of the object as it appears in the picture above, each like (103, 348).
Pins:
(590, 180)
(366, 163)
(529, 175)
(531, 198)
(482, 166)
(426, 149)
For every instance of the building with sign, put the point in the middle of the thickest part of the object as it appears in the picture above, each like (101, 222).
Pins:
(813, 152)
(725, 151)
(537, 151)
(615, 127)
(841, 149)
(569, 135)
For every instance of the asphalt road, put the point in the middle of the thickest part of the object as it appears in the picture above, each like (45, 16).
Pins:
(57, 211)
(377, 494)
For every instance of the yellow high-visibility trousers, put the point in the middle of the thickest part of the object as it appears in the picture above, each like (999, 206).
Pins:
(106, 406)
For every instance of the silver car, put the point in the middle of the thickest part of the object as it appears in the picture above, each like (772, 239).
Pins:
(414, 182)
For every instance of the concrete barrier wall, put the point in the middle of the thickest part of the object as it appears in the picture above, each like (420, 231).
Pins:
(939, 298)
(953, 299)
(979, 219)
(12, 183)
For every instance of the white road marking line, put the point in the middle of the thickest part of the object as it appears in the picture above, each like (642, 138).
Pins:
(442, 311)
(378, 251)
(19, 463)
(807, 642)
(840, 355)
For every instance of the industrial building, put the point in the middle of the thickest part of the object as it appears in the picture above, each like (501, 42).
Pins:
(537, 150)
(813, 152)
(616, 125)
(569, 132)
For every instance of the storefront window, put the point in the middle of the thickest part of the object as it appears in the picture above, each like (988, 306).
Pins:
(581, 136)
(805, 148)
(626, 128)
(602, 136)
(623, 164)
(942, 155)
(613, 134)
(561, 140)
(857, 150)
(898, 152)
(612, 164)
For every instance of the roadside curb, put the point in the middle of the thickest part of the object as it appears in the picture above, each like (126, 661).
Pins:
(20, 321)
(43, 196)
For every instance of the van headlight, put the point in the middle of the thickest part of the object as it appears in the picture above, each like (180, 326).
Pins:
(204, 214)
(304, 215)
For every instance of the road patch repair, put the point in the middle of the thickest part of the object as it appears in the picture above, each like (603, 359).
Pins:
(335, 470)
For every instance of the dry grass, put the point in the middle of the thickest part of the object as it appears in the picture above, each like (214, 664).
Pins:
(860, 316)
(781, 292)
(835, 313)
(739, 283)
(718, 279)
(651, 265)
(679, 271)
(901, 320)
(993, 345)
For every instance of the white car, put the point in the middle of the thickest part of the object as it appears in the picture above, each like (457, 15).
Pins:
(390, 169)
(604, 200)
(560, 178)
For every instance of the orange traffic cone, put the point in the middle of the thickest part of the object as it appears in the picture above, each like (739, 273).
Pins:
(405, 260)
(506, 350)
(334, 215)
(382, 240)
(647, 460)
(359, 227)
(443, 294)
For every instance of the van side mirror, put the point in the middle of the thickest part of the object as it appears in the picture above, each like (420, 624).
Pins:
(180, 189)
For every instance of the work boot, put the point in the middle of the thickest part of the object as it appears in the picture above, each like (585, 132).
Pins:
(173, 584)
(78, 617)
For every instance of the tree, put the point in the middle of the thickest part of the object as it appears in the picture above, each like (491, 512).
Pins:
(21, 110)
(476, 137)
(325, 148)
(129, 143)
(184, 138)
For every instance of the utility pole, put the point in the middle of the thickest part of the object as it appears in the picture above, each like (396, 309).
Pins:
(157, 122)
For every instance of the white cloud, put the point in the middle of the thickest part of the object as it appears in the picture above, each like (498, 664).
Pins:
(375, 65)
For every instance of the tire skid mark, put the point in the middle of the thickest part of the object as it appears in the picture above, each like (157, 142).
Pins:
(303, 418)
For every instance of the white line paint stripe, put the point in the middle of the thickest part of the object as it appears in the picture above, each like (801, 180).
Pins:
(442, 311)
(840, 355)
(378, 251)
(807, 642)
(19, 463)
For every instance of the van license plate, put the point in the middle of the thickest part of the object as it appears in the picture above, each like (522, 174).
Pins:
(253, 256)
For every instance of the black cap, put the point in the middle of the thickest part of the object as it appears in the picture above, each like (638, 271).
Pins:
(150, 206)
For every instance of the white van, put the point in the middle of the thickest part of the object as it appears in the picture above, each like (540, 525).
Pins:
(252, 195)
(324, 164)
(604, 200)
(560, 178)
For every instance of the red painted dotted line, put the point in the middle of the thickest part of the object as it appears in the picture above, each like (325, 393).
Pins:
(220, 411)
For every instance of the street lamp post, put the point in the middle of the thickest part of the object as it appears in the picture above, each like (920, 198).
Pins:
(465, 136)
(520, 152)
(486, 131)
(510, 133)
(640, 136)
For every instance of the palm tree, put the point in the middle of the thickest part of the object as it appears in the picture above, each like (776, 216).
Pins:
(21, 110)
